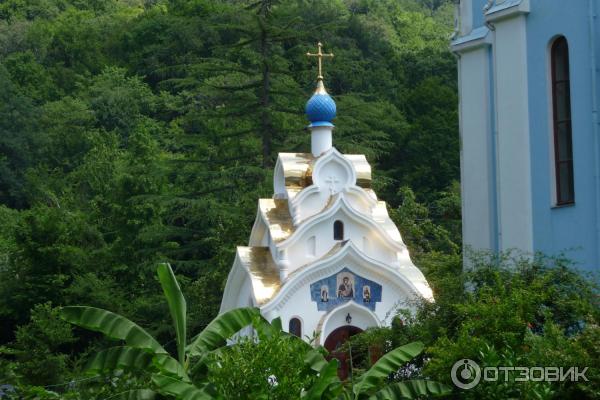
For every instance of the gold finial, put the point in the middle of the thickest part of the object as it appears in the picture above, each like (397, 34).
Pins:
(320, 56)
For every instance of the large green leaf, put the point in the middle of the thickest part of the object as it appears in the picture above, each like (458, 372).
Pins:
(327, 385)
(387, 364)
(138, 394)
(170, 366)
(276, 324)
(177, 306)
(220, 329)
(264, 329)
(411, 390)
(315, 360)
(120, 357)
(112, 325)
(181, 390)
(131, 358)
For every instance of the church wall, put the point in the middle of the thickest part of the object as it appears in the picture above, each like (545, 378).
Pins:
(514, 153)
(572, 228)
(465, 15)
(245, 294)
(323, 233)
(298, 306)
(301, 304)
(477, 10)
(477, 149)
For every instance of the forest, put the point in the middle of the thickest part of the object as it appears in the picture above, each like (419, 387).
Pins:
(141, 132)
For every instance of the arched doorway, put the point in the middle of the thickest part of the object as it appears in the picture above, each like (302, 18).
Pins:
(333, 343)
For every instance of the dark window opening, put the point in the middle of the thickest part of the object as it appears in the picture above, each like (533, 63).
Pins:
(295, 327)
(561, 118)
(338, 230)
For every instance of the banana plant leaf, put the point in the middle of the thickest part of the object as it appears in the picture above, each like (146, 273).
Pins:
(120, 358)
(387, 364)
(170, 366)
(181, 390)
(264, 329)
(327, 385)
(412, 390)
(220, 329)
(177, 306)
(315, 360)
(111, 325)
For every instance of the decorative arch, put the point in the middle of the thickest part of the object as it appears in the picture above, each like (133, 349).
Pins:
(312, 200)
(360, 317)
(334, 171)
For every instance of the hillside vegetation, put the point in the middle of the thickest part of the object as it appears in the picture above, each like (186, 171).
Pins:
(135, 132)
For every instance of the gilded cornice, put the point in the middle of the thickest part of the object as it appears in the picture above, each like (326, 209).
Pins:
(262, 270)
(276, 214)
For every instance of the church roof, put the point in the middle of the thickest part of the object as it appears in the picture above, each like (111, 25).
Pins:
(276, 213)
(297, 170)
(381, 216)
(263, 272)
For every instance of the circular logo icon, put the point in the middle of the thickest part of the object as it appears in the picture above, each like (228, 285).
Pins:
(465, 374)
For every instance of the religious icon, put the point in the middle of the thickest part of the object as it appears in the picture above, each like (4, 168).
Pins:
(366, 294)
(324, 294)
(345, 285)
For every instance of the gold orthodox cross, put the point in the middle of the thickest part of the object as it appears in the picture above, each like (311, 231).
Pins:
(320, 56)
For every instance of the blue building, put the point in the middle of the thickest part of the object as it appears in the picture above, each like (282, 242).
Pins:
(530, 145)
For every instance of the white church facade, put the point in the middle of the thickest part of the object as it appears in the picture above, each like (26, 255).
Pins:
(324, 255)
(530, 140)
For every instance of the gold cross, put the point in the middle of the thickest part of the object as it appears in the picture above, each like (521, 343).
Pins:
(320, 56)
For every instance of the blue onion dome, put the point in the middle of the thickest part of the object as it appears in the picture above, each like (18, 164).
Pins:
(320, 108)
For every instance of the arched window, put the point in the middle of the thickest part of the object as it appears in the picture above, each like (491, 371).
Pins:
(561, 117)
(338, 230)
(295, 327)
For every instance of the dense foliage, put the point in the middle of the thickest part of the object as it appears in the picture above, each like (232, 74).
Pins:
(267, 364)
(516, 311)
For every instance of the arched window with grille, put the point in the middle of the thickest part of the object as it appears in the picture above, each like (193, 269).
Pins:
(338, 230)
(561, 118)
(295, 327)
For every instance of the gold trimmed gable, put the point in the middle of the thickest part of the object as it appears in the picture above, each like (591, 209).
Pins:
(297, 170)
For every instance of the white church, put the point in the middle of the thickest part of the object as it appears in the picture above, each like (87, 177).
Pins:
(324, 255)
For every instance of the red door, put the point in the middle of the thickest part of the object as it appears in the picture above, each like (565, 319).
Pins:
(333, 343)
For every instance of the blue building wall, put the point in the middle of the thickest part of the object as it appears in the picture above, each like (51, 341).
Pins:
(478, 19)
(572, 228)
